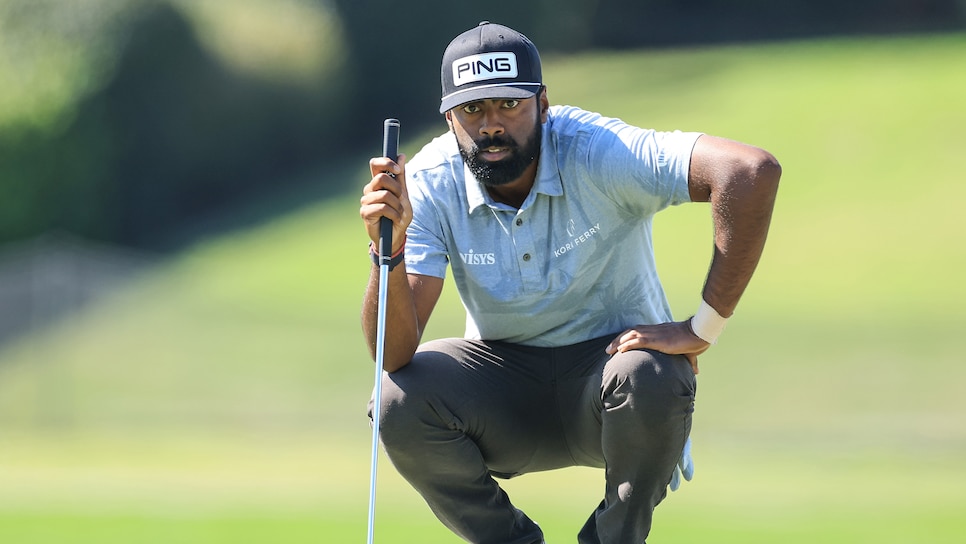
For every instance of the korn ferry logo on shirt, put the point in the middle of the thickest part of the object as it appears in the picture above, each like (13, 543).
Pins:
(571, 228)
(499, 65)
(576, 238)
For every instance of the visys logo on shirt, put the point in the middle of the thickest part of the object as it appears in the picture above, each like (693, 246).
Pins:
(472, 258)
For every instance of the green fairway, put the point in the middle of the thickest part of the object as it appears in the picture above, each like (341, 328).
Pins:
(221, 397)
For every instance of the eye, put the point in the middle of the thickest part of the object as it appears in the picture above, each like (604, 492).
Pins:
(510, 103)
(472, 107)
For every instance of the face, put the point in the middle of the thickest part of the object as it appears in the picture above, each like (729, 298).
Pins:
(499, 138)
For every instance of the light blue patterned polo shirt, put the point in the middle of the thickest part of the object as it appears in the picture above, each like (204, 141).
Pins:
(576, 261)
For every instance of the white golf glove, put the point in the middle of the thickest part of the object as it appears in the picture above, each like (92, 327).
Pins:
(684, 468)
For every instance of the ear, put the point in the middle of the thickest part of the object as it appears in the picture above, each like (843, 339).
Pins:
(449, 118)
(544, 105)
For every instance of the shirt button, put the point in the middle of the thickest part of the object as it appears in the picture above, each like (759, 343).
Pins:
(526, 256)
(519, 221)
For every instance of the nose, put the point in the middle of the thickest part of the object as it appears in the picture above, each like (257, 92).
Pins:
(492, 123)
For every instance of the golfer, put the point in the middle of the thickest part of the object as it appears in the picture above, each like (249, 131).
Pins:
(571, 356)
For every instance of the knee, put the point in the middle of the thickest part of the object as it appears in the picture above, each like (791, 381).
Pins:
(399, 390)
(661, 383)
(395, 414)
(410, 404)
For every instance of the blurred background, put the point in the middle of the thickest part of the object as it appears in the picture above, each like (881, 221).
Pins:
(181, 261)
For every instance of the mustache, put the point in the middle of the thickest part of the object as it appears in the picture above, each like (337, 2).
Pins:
(494, 141)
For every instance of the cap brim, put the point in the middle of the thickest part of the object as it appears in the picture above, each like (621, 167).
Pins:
(482, 92)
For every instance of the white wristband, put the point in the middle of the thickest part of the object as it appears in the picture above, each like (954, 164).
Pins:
(707, 324)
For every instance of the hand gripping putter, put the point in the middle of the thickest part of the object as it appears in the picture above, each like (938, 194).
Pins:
(390, 147)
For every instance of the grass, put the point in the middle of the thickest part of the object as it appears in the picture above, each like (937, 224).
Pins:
(221, 397)
(242, 489)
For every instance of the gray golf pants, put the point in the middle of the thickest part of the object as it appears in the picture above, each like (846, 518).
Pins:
(465, 411)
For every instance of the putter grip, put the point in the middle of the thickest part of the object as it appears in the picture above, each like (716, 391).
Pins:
(390, 149)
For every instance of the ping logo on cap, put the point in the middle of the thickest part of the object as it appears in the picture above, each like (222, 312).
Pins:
(496, 65)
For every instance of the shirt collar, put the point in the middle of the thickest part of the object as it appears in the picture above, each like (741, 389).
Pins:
(547, 180)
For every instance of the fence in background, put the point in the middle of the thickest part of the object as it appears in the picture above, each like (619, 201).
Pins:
(49, 278)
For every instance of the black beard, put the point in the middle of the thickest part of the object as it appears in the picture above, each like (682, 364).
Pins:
(495, 174)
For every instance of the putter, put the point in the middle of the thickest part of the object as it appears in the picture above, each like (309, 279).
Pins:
(390, 146)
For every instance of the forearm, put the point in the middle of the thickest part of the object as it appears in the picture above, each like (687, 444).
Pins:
(741, 212)
(402, 327)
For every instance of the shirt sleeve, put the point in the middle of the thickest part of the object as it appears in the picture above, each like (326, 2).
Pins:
(643, 170)
(426, 252)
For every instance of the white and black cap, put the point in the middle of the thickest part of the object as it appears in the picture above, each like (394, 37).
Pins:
(489, 61)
